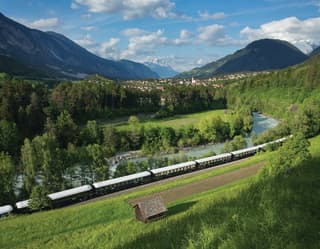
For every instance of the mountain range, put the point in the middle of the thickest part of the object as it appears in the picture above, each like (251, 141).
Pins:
(315, 52)
(37, 54)
(260, 55)
(54, 54)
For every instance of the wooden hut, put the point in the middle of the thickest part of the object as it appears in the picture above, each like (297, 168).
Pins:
(149, 209)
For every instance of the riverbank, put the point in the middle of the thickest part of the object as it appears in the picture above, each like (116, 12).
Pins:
(261, 123)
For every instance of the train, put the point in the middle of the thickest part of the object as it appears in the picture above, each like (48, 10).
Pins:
(88, 191)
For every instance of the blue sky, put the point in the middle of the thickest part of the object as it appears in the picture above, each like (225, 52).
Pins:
(180, 33)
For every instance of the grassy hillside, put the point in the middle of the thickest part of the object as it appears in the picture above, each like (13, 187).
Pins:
(246, 214)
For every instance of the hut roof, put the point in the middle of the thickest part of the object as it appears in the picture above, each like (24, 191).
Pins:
(151, 207)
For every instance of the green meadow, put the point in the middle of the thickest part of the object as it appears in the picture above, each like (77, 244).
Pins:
(176, 121)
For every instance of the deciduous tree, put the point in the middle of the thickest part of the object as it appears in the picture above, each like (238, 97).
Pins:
(7, 174)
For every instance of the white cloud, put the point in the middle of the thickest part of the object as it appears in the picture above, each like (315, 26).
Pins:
(44, 24)
(145, 44)
(130, 9)
(74, 6)
(141, 43)
(215, 35)
(305, 34)
(184, 37)
(184, 34)
(97, 6)
(214, 16)
(86, 42)
(200, 62)
(89, 28)
(109, 49)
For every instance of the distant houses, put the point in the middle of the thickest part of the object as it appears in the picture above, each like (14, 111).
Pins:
(159, 84)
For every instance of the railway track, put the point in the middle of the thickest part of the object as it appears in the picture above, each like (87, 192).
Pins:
(225, 176)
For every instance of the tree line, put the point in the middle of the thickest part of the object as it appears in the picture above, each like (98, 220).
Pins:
(44, 131)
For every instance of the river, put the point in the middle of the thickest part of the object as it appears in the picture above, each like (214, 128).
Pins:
(261, 123)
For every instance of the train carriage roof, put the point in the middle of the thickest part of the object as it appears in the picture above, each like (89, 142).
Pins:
(121, 179)
(173, 167)
(69, 192)
(246, 150)
(22, 204)
(5, 209)
(202, 160)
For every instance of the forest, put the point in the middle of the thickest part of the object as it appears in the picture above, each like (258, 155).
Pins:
(44, 131)
(291, 95)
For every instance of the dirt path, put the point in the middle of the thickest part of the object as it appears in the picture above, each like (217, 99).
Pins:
(204, 185)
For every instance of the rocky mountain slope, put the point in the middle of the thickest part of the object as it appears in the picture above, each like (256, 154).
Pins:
(265, 54)
(55, 53)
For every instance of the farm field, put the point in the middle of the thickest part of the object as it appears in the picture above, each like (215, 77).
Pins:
(236, 215)
(176, 121)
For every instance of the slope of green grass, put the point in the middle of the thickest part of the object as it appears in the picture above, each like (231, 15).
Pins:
(244, 214)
